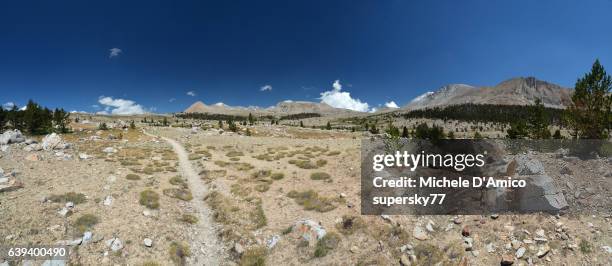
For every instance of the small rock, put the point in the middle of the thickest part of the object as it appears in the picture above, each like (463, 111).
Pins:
(542, 251)
(342, 195)
(115, 244)
(419, 233)
(69, 205)
(429, 226)
(404, 260)
(354, 249)
(566, 171)
(238, 248)
(33, 157)
(405, 248)
(64, 212)
(468, 243)
(490, 248)
(515, 244)
(109, 150)
(520, 252)
(272, 241)
(87, 237)
(465, 231)
(507, 260)
(84, 156)
(148, 242)
(108, 201)
(540, 233)
(457, 220)
(494, 216)
(607, 249)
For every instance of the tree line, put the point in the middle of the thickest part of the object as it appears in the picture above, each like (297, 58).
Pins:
(35, 119)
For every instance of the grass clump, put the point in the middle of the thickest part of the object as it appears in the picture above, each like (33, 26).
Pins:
(277, 176)
(240, 190)
(261, 174)
(132, 177)
(321, 162)
(258, 217)
(195, 156)
(320, 176)
(255, 256)
(333, 153)
(86, 222)
(151, 263)
(263, 187)
(304, 164)
(178, 181)
(73, 197)
(212, 174)
(350, 224)
(234, 154)
(327, 243)
(311, 200)
(585, 246)
(179, 252)
(190, 219)
(178, 193)
(149, 199)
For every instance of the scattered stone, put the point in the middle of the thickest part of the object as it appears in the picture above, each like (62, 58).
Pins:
(238, 248)
(429, 226)
(148, 242)
(84, 156)
(419, 233)
(541, 194)
(494, 216)
(354, 249)
(64, 212)
(607, 249)
(87, 237)
(109, 150)
(33, 157)
(342, 195)
(468, 243)
(52, 141)
(108, 201)
(11, 136)
(490, 248)
(542, 251)
(515, 244)
(309, 230)
(520, 252)
(146, 213)
(70, 205)
(465, 231)
(10, 184)
(566, 171)
(526, 165)
(272, 241)
(507, 260)
(115, 244)
(540, 232)
(404, 260)
(457, 220)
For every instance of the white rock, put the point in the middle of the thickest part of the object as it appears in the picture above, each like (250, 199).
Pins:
(84, 156)
(51, 141)
(148, 242)
(419, 233)
(87, 237)
(238, 248)
(11, 136)
(109, 150)
(69, 205)
(607, 249)
(429, 226)
(490, 248)
(272, 241)
(520, 252)
(115, 244)
(108, 201)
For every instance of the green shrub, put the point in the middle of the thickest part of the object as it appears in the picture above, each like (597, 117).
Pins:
(320, 176)
(132, 177)
(327, 243)
(179, 252)
(277, 176)
(76, 198)
(86, 222)
(178, 193)
(149, 198)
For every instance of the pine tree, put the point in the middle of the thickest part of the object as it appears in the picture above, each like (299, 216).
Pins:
(132, 125)
(405, 132)
(539, 122)
(248, 132)
(450, 135)
(3, 115)
(590, 113)
(251, 119)
(301, 123)
(165, 122)
(393, 130)
(328, 126)
(61, 118)
(220, 124)
(557, 134)
(102, 126)
(518, 130)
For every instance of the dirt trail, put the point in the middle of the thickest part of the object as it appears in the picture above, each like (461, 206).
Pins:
(206, 248)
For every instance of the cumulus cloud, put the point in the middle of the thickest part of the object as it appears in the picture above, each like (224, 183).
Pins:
(8, 105)
(114, 52)
(342, 99)
(120, 106)
(391, 104)
(172, 100)
(266, 87)
(191, 93)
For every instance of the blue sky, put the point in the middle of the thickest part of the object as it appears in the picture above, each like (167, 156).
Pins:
(59, 52)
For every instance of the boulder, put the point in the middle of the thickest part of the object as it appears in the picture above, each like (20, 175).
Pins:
(52, 141)
(11, 136)
(115, 244)
(33, 147)
(309, 230)
(540, 194)
(526, 165)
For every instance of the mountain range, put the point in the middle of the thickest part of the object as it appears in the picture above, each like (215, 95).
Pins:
(515, 91)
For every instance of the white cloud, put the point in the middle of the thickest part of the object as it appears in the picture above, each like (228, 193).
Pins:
(191, 93)
(114, 52)
(120, 106)
(266, 88)
(172, 100)
(102, 113)
(23, 108)
(342, 99)
(391, 104)
(95, 106)
(8, 105)
(219, 104)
